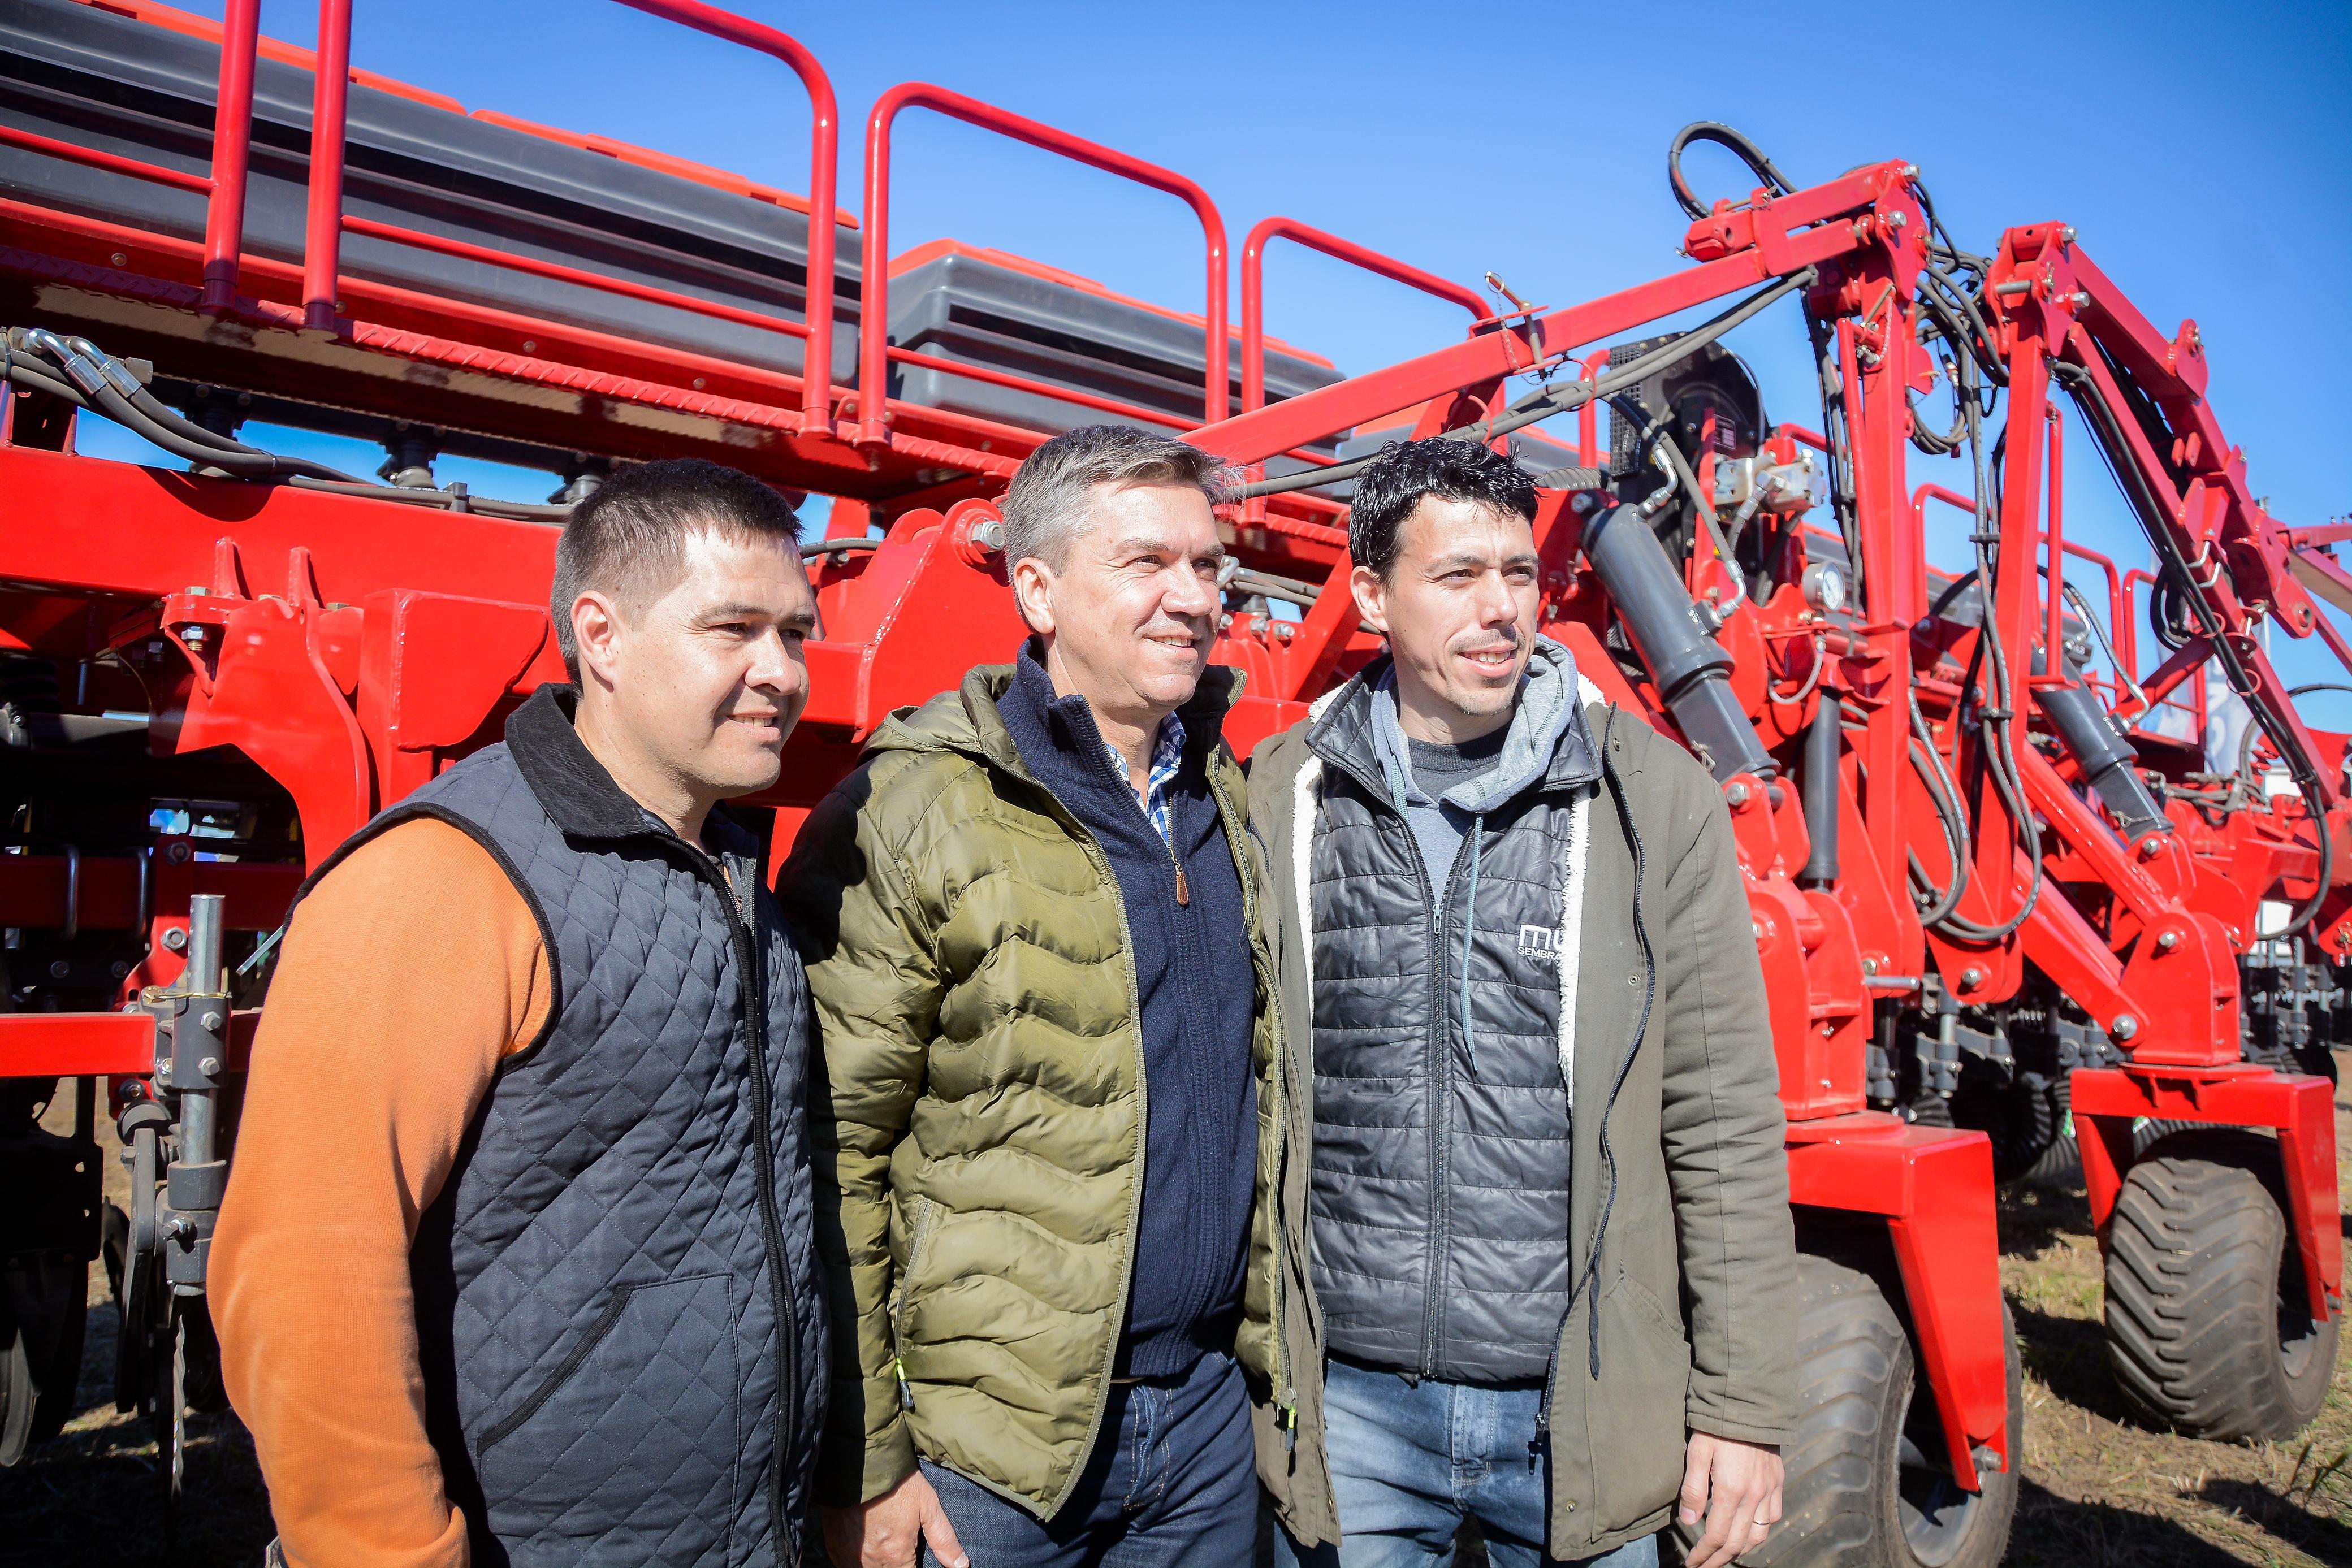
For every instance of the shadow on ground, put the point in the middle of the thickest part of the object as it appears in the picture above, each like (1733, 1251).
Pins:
(2052, 1531)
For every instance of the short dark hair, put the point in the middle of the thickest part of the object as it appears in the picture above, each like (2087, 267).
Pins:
(628, 539)
(1044, 507)
(1393, 483)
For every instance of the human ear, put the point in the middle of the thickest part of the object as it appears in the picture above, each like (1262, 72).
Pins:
(1033, 593)
(1371, 597)
(596, 632)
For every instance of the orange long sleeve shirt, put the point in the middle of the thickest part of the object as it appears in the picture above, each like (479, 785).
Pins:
(410, 973)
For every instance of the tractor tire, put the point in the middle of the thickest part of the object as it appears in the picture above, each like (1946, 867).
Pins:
(1865, 1486)
(2208, 1329)
(41, 1320)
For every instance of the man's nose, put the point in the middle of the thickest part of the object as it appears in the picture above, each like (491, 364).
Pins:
(1188, 594)
(772, 667)
(1497, 605)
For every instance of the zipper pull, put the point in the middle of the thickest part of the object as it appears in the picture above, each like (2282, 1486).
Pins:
(906, 1395)
(1184, 892)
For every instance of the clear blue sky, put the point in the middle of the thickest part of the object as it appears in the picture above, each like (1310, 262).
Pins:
(2203, 151)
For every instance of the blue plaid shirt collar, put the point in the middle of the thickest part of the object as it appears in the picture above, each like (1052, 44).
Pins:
(1167, 758)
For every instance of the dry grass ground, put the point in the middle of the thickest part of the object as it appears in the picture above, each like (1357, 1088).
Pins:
(2100, 1491)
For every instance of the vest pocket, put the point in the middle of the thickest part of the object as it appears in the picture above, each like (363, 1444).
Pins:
(633, 1429)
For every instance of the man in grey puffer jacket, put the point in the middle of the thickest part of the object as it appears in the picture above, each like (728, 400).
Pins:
(1546, 1207)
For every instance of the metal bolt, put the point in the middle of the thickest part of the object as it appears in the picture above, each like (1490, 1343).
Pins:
(1971, 978)
(2066, 234)
(211, 1022)
(2150, 847)
(1870, 965)
(1896, 219)
(210, 1066)
(181, 851)
(1758, 927)
(59, 969)
(176, 938)
(1738, 795)
(1989, 1463)
(2125, 1027)
(2167, 941)
(698, 384)
(121, 966)
(121, 259)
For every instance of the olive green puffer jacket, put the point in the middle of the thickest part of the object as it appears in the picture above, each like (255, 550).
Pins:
(978, 1126)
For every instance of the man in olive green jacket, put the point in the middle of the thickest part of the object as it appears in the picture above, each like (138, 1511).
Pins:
(1549, 1203)
(1052, 1107)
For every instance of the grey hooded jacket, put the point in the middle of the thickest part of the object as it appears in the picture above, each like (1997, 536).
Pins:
(1681, 1257)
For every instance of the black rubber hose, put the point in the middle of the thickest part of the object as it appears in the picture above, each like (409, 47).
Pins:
(1723, 136)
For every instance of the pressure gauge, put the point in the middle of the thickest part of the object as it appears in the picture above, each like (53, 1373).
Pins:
(1823, 586)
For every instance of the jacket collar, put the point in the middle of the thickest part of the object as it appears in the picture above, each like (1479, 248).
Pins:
(967, 720)
(576, 791)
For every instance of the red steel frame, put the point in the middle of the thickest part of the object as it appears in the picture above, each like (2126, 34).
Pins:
(353, 653)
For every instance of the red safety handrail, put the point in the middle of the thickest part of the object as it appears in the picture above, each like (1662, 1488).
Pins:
(322, 254)
(232, 153)
(112, 162)
(875, 352)
(1332, 245)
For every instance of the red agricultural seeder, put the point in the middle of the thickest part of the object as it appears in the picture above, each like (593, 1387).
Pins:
(2008, 906)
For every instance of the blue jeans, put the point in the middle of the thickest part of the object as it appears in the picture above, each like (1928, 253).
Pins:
(1409, 1462)
(1172, 1483)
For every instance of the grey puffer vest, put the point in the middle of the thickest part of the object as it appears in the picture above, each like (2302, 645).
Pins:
(1439, 1195)
(599, 1285)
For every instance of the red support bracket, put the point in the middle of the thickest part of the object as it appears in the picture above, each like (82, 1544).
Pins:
(2109, 1102)
(1934, 1186)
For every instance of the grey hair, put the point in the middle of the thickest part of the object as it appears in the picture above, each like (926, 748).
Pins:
(1047, 506)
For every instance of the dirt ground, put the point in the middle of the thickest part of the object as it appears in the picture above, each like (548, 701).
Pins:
(2099, 1490)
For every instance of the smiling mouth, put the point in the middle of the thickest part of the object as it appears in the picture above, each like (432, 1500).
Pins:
(1492, 661)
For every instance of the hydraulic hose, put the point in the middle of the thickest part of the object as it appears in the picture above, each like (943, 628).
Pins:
(2107, 432)
(95, 382)
(1723, 136)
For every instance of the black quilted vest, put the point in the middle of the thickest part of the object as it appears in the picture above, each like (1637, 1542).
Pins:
(599, 1285)
(1439, 1185)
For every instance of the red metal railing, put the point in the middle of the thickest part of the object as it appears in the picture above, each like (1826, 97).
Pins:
(321, 256)
(875, 352)
(112, 162)
(231, 152)
(1330, 245)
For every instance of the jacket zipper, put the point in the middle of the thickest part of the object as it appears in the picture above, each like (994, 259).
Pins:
(1432, 1056)
(1286, 1393)
(742, 917)
(1142, 1122)
(924, 1211)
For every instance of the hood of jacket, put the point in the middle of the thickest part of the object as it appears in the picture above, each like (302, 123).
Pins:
(1548, 742)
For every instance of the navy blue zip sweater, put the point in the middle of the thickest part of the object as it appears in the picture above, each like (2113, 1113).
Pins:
(1196, 990)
